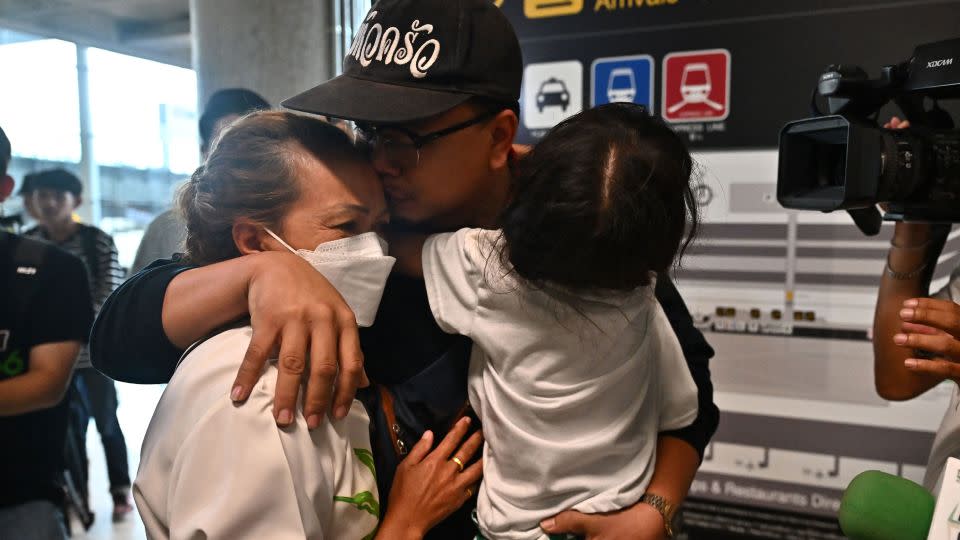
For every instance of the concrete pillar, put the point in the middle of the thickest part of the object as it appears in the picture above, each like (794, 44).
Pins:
(276, 48)
(90, 210)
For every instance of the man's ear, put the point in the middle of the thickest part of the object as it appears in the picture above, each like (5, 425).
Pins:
(6, 187)
(248, 237)
(503, 131)
(77, 200)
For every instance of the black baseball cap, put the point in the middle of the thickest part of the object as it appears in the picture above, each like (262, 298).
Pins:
(413, 59)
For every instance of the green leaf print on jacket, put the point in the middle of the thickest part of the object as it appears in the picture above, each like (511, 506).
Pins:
(364, 501)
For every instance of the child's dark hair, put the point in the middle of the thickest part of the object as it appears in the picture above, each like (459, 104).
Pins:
(602, 202)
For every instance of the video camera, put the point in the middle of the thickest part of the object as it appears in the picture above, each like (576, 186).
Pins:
(844, 160)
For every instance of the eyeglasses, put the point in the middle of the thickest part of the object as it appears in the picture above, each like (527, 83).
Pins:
(401, 147)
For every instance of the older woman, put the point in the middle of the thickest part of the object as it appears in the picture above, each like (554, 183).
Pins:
(209, 469)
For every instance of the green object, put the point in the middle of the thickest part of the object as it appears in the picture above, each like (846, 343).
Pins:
(364, 501)
(366, 457)
(13, 364)
(880, 506)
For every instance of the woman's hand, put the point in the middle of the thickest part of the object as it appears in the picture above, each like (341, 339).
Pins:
(933, 326)
(296, 311)
(429, 486)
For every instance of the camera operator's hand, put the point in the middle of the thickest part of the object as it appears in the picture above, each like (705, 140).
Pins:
(932, 326)
(897, 123)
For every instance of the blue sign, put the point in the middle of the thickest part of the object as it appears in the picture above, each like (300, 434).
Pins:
(622, 79)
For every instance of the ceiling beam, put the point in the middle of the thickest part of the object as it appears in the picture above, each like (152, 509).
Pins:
(153, 31)
(20, 9)
(94, 31)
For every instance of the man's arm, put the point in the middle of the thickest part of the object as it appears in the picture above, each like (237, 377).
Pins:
(144, 326)
(159, 312)
(128, 342)
(45, 382)
(697, 353)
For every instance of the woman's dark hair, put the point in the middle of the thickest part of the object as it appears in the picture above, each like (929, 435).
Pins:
(252, 172)
(603, 201)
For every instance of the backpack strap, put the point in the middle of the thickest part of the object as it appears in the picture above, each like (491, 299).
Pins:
(88, 239)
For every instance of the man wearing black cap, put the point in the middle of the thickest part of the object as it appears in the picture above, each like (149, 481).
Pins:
(55, 196)
(433, 86)
(45, 316)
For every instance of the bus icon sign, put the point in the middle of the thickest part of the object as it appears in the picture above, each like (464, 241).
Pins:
(622, 79)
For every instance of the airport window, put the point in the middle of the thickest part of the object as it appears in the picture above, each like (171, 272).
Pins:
(143, 124)
(40, 108)
(144, 113)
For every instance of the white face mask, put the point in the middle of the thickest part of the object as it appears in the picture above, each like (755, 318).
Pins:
(357, 266)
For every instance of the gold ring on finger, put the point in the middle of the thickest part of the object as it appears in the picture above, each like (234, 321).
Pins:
(459, 463)
(469, 493)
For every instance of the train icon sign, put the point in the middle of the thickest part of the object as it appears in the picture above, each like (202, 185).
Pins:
(622, 79)
(696, 86)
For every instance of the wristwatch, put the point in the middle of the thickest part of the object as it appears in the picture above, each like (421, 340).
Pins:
(666, 510)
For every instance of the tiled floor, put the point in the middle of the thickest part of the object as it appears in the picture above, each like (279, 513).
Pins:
(136, 407)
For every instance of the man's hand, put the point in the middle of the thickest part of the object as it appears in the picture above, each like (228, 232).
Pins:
(639, 522)
(933, 326)
(297, 313)
(675, 467)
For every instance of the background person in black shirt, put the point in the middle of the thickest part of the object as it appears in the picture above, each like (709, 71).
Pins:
(443, 147)
(55, 196)
(45, 316)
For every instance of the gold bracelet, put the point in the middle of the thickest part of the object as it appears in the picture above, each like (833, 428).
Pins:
(664, 507)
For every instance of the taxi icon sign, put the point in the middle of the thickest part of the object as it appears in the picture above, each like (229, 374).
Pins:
(537, 9)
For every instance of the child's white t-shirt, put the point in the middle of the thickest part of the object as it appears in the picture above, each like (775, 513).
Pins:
(572, 389)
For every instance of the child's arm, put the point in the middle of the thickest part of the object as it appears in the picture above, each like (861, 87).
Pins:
(408, 249)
